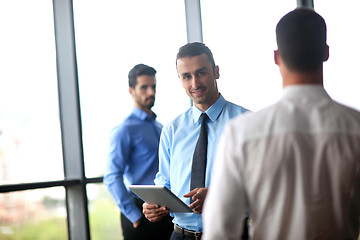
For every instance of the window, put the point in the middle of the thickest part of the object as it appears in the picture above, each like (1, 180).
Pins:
(104, 215)
(33, 214)
(30, 139)
(112, 37)
(241, 35)
(341, 77)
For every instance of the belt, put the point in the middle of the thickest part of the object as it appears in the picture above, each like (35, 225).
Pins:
(186, 232)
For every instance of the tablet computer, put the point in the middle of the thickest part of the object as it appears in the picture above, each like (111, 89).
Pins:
(160, 195)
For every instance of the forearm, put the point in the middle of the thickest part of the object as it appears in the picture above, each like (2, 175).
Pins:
(122, 198)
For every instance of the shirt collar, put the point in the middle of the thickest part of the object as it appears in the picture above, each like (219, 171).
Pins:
(305, 92)
(213, 112)
(142, 114)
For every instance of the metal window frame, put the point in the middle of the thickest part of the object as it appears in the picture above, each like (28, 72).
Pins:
(305, 3)
(70, 120)
(193, 21)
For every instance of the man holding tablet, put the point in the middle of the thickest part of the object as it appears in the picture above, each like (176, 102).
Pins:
(188, 143)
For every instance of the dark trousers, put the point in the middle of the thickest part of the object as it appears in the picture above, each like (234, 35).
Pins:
(245, 235)
(160, 230)
(177, 236)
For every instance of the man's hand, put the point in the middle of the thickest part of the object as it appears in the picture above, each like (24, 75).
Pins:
(154, 212)
(136, 224)
(198, 195)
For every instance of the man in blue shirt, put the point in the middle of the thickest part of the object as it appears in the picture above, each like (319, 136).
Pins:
(133, 158)
(198, 73)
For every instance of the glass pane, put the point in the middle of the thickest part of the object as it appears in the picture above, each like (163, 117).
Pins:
(104, 215)
(341, 74)
(111, 37)
(30, 139)
(33, 214)
(241, 35)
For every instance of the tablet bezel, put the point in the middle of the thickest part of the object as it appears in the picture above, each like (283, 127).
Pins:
(160, 195)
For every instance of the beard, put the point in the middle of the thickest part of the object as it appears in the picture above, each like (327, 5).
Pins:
(148, 103)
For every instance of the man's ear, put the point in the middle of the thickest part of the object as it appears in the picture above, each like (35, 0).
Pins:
(326, 53)
(217, 72)
(276, 57)
(131, 90)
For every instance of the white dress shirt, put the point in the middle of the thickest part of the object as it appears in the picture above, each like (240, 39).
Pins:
(295, 165)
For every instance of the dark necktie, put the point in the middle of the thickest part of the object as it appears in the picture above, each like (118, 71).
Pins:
(199, 158)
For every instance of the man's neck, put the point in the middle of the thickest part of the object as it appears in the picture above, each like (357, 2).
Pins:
(148, 111)
(205, 106)
(298, 78)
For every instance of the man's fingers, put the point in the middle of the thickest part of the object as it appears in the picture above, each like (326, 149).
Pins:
(197, 203)
(154, 212)
(191, 193)
(197, 193)
(198, 209)
(154, 217)
(150, 206)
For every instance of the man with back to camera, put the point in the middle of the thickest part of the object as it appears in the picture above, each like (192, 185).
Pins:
(133, 158)
(198, 73)
(300, 157)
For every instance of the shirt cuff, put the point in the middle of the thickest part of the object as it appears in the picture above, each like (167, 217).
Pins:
(162, 182)
(134, 215)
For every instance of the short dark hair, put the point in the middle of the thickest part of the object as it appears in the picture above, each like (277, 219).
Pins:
(195, 49)
(301, 39)
(139, 70)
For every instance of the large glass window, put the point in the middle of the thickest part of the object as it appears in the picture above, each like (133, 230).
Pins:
(33, 214)
(241, 35)
(111, 37)
(341, 74)
(30, 139)
(104, 215)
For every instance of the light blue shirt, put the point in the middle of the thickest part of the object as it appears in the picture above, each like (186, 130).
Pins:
(132, 159)
(177, 145)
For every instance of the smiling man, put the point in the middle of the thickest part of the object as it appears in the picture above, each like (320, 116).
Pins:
(179, 139)
(133, 158)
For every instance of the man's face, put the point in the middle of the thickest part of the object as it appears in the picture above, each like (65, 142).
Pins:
(199, 80)
(144, 92)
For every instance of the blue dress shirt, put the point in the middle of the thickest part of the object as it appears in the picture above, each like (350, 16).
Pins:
(177, 145)
(132, 159)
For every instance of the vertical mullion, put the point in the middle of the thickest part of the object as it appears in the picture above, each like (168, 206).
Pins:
(305, 3)
(193, 21)
(70, 120)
